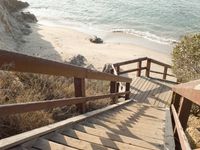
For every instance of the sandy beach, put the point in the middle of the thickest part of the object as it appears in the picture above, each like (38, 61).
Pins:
(61, 43)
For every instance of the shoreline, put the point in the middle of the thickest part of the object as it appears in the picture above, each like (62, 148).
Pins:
(114, 36)
(61, 43)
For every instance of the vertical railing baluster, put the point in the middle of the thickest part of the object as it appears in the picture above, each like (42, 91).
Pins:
(165, 72)
(139, 65)
(176, 102)
(184, 112)
(127, 96)
(148, 67)
(118, 70)
(113, 89)
(79, 86)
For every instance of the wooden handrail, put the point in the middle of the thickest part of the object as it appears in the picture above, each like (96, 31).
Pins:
(189, 90)
(139, 68)
(23, 63)
(181, 135)
(49, 104)
(130, 61)
(171, 75)
(184, 95)
(10, 61)
(160, 63)
(132, 70)
(10, 142)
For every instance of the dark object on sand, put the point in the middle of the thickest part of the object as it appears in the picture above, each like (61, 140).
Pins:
(96, 40)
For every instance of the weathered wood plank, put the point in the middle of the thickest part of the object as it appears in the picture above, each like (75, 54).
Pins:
(125, 133)
(120, 138)
(139, 96)
(48, 104)
(190, 90)
(24, 63)
(79, 88)
(162, 100)
(133, 120)
(132, 70)
(147, 90)
(169, 134)
(148, 67)
(75, 142)
(127, 96)
(100, 140)
(136, 126)
(184, 112)
(182, 137)
(141, 131)
(152, 98)
(135, 87)
(139, 65)
(139, 87)
(49, 145)
(27, 136)
(130, 61)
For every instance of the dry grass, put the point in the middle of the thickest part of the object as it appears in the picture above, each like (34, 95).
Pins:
(23, 87)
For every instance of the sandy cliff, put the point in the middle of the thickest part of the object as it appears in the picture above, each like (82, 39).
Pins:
(13, 23)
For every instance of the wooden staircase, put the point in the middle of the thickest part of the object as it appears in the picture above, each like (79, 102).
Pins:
(130, 126)
(143, 121)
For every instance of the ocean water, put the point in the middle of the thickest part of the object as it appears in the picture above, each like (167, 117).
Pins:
(161, 21)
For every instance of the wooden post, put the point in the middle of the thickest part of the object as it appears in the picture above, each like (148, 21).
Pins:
(117, 90)
(118, 70)
(184, 112)
(165, 73)
(176, 100)
(113, 89)
(139, 65)
(79, 86)
(148, 67)
(127, 96)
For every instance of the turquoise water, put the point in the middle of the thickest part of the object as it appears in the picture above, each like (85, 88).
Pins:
(162, 21)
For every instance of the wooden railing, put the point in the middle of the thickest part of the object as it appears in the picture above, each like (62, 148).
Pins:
(147, 62)
(28, 64)
(184, 95)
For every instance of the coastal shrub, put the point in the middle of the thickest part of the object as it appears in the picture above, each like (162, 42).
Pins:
(25, 87)
(186, 67)
(186, 58)
(186, 62)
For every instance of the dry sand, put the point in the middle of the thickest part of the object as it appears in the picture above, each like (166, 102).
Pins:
(61, 43)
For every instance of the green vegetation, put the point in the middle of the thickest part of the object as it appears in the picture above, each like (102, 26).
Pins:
(186, 67)
(23, 87)
(186, 58)
(186, 61)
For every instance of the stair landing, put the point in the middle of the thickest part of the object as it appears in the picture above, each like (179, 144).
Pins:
(152, 91)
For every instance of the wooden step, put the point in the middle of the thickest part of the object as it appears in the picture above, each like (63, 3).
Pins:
(124, 128)
(123, 132)
(44, 144)
(75, 142)
(117, 137)
(100, 140)
(131, 126)
(133, 123)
